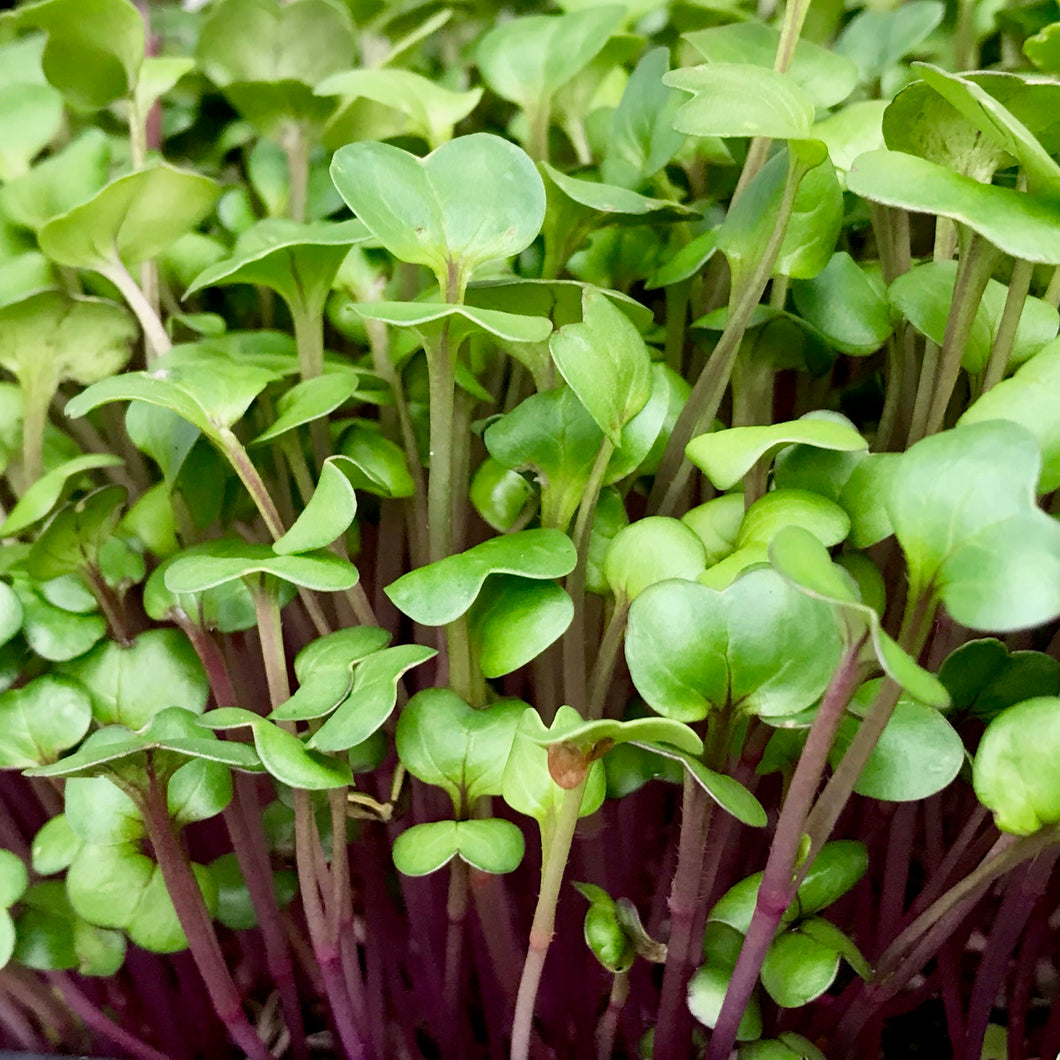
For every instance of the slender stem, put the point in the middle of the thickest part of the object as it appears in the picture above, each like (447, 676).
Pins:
(706, 396)
(777, 889)
(929, 367)
(606, 657)
(156, 341)
(1052, 292)
(574, 675)
(544, 922)
(973, 272)
(456, 920)
(607, 1028)
(295, 146)
(539, 119)
(110, 604)
(37, 385)
(99, 1022)
(672, 1022)
(191, 910)
(1018, 287)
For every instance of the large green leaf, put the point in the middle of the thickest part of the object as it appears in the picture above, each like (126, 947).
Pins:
(1029, 399)
(442, 741)
(1020, 224)
(133, 219)
(443, 591)
(726, 456)
(692, 649)
(962, 504)
(473, 199)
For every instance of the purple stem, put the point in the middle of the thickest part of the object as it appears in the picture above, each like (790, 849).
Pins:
(1023, 983)
(16, 1024)
(98, 1022)
(1025, 888)
(778, 885)
(673, 1026)
(194, 918)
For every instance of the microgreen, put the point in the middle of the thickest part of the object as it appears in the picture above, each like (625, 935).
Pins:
(447, 454)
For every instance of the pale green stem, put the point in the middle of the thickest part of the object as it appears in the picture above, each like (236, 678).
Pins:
(574, 675)
(156, 341)
(539, 119)
(606, 657)
(1052, 292)
(295, 146)
(544, 923)
(973, 273)
(707, 394)
(1018, 288)
(38, 385)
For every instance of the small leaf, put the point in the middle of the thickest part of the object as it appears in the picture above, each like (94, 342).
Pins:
(826, 933)
(706, 994)
(42, 719)
(309, 400)
(94, 48)
(1009, 772)
(798, 969)
(442, 591)
(726, 456)
(54, 846)
(283, 754)
(373, 463)
(877, 39)
(984, 678)
(605, 362)
(652, 550)
(13, 878)
(491, 845)
(43, 495)
(372, 698)
(328, 514)
(77, 535)
(226, 560)
(430, 316)
(471, 200)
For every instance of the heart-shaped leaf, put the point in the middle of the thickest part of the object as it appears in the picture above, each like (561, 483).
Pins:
(53, 633)
(131, 220)
(324, 671)
(589, 735)
(77, 535)
(282, 753)
(227, 559)
(1009, 773)
(740, 99)
(441, 592)
(957, 502)
(527, 59)
(729, 647)
(442, 741)
(984, 678)
(130, 685)
(473, 199)
(373, 462)
(431, 108)
(528, 786)
(372, 698)
(490, 845)
(726, 456)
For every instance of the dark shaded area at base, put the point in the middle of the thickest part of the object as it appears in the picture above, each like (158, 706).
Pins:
(920, 1033)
